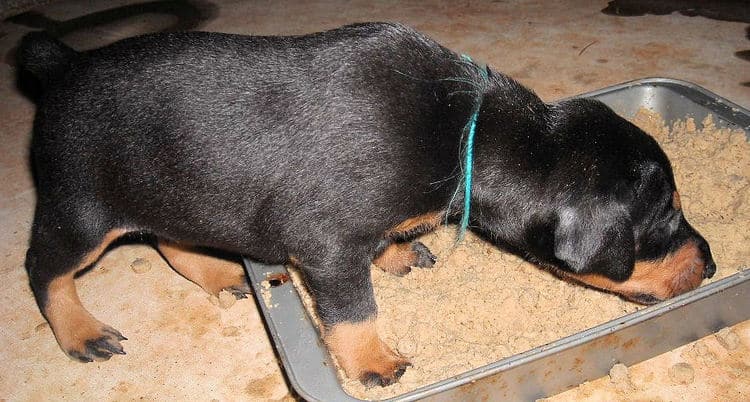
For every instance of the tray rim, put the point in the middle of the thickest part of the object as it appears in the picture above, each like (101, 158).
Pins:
(711, 100)
(738, 115)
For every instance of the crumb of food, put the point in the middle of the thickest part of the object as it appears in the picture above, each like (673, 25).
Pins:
(226, 299)
(728, 339)
(620, 377)
(407, 347)
(700, 352)
(230, 331)
(140, 265)
(682, 373)
(265, 293)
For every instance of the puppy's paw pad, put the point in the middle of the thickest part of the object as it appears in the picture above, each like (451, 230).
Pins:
(424, 257)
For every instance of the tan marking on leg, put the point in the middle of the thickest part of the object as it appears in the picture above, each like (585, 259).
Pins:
(397, 259)
(75, 329)
(677, 273)
(79, 334)
(417, 225)
(676, 203)
(213, 274)
(362, 354)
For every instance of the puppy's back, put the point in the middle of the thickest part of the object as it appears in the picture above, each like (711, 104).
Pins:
(330, 118)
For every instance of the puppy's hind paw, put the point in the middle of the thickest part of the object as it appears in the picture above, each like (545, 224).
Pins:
(99, 348)
(240, 291)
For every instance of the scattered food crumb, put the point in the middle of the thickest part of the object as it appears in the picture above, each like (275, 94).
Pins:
(230, 331)
(701, 352)
(728, 339)
(682, 373)
(407, 346)
(226, 299)
(140, 265)
(262, 389)
(266, 294)
(620, 377)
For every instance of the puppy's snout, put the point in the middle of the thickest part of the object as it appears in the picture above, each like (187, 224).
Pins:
(709, 268)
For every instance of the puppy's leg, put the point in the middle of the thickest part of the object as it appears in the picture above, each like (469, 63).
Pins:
(398, 258)
(211, 273)
(58, 250)
(346, 304)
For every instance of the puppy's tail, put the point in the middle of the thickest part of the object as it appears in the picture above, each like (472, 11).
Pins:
(45, 57)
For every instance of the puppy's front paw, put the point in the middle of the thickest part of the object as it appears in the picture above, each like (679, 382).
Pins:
(398, 258)
(423, 256)
(363, 355)
(389, 376)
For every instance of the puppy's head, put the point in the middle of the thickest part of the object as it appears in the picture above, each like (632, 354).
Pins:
(600, 207)
(626, 232)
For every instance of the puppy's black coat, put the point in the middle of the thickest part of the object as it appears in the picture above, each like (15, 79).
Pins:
(317, 147)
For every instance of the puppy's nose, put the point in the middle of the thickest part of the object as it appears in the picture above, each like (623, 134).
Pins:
(710, 269)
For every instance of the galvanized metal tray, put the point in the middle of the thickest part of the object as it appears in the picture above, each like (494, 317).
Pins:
(562, 364)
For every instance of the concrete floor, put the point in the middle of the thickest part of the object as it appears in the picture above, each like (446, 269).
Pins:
(184, 347)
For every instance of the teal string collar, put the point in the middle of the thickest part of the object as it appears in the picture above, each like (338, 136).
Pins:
(468, 154)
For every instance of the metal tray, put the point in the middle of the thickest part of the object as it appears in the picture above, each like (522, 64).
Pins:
(567, 362)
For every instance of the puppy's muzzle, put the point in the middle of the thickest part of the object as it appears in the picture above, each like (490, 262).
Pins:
(710, 266)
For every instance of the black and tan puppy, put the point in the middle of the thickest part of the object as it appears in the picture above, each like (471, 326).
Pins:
(334, 150)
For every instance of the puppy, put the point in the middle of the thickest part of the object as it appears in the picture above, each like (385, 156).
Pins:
(333, 150)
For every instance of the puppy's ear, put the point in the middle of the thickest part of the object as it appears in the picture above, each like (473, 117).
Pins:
(596, 237)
